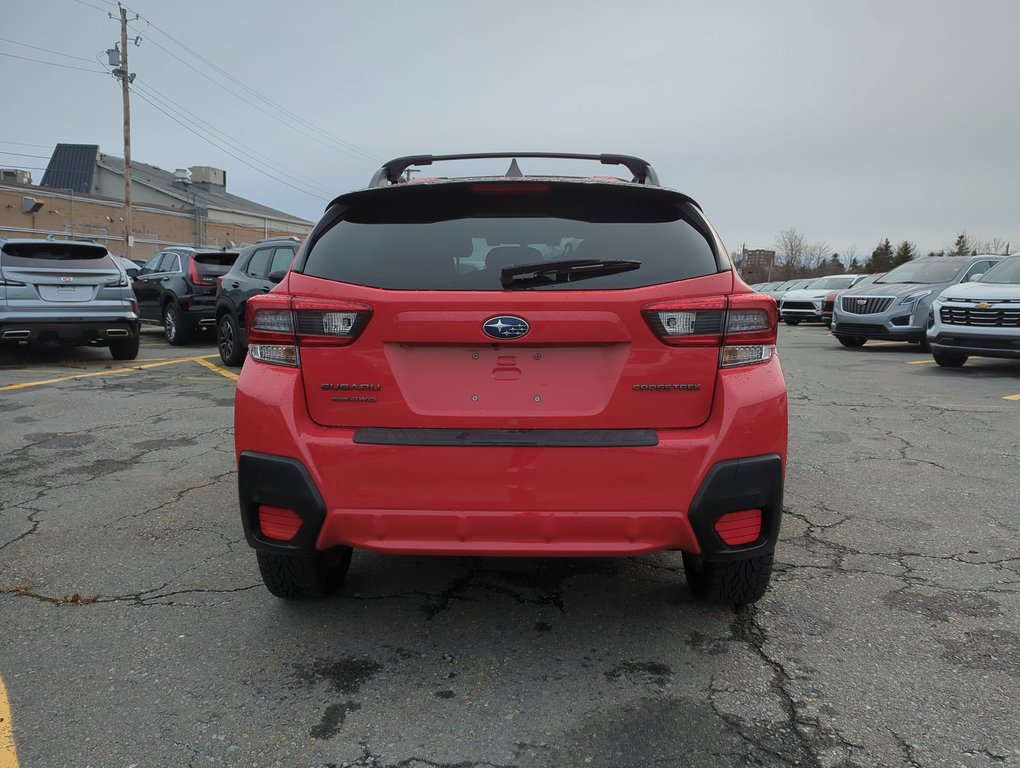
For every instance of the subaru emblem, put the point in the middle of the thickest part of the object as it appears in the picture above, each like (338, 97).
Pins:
(505, 327)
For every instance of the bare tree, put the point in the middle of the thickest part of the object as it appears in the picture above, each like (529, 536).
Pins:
(791, 254)
(818, 257)
(992, 245)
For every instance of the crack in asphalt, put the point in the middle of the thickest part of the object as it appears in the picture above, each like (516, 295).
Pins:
(369, 759)
(144, 598)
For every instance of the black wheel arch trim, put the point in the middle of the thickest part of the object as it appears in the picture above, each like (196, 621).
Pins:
(278, 481)
(755, 482)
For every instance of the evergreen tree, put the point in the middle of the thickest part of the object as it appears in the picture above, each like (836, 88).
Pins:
(854, 265)
(881, 258)
(835, 265)
(962, 246)
(906, 251)
(936, 253)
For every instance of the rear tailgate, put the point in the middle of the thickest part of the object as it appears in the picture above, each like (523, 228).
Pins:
(55, 272)
(428, 268)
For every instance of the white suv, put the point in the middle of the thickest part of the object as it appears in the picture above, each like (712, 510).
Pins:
(981, 317)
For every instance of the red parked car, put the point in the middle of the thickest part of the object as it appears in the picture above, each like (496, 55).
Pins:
(512, 365)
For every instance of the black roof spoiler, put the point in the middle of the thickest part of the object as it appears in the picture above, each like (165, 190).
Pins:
(392, 172)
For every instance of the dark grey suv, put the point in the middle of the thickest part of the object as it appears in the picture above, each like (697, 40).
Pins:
(252, 274)
(66, 292)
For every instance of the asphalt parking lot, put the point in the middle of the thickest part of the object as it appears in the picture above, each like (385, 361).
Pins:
(134, 630)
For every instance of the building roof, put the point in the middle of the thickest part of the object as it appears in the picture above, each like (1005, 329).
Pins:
(212, 197)
(72, 166)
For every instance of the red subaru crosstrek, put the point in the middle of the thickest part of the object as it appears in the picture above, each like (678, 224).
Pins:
(512, 365)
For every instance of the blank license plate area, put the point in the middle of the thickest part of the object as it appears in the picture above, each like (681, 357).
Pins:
(67, 293)
(507, 380)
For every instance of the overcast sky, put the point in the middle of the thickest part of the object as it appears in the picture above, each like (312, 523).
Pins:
(849, 121)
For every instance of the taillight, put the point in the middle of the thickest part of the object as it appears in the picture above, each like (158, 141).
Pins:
(743, 325)
(194, 277)
(689, 322)
(278, 326)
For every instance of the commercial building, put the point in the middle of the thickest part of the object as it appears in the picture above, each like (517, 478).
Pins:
(80, 196)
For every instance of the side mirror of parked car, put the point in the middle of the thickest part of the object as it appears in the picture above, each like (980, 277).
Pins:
(972, 278)
(132, 273)
(277, 275)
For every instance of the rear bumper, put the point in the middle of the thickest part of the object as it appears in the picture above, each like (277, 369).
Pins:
(523, 500)
(99, 331)
(730, 486)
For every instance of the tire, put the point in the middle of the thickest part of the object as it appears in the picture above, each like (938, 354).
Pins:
(791, 320)
(728, 582)
(296, 577)
(126, 349)
(851, 341)
(949, 359)
(925, 347)
(173, 326)
(228, 339)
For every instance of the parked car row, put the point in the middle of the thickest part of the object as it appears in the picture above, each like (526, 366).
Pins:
(895, 307)
(955, 306)
(77, 293)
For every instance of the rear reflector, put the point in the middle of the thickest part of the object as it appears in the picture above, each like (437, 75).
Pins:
(278, 523)
(737, 528)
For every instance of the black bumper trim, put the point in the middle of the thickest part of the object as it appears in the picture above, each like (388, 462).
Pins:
(550, 438)
(278, 482)
(732, 486)
(70, 331)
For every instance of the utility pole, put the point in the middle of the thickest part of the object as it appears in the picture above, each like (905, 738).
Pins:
(125, 83)
(119, 60)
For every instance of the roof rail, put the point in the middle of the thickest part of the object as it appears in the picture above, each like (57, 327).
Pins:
(279, 237)
(392, 171)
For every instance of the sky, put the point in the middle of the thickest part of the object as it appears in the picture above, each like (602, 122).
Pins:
(848, 121)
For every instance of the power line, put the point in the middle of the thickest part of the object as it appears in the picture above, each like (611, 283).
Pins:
(46, 50)
(22, 154)
(252, 104)
(101, 10)
(189, 128)
(235, 144)
(354, 147)
(24, 144)
(52, 63)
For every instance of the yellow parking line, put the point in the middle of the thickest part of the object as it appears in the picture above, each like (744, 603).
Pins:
(217, 369)
(104, 372)
(8, 753)
(1012, 397)
(920, 362)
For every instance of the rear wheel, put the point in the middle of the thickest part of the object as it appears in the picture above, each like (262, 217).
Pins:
(924, 345)
(126, 349)
(173, 326)
(728, 582)
(302, 577)
(228, 337)
(791, 320)
(851, 341)
(949, 359)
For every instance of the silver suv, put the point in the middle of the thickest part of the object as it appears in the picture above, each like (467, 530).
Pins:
(895, 307)
(66, 292)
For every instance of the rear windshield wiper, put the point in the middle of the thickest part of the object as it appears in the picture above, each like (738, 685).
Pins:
(565, 271)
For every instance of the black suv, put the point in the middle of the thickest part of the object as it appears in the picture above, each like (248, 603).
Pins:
(256, 270)
(177, 289)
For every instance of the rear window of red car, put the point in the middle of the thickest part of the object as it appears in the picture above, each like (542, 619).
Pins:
(460, 236)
